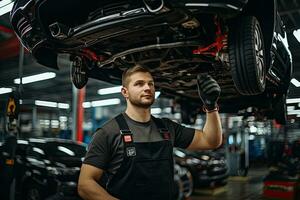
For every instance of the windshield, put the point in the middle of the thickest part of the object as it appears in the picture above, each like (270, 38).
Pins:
(62, 149)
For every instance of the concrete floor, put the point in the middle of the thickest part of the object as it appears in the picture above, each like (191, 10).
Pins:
(249, 188)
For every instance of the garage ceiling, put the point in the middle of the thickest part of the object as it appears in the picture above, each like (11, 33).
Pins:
(60, 88)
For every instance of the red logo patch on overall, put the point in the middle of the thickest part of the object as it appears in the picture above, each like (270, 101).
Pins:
(167, 135)
(127, 138)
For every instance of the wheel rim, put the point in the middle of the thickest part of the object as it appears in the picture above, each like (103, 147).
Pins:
(33, 194)
(259, 54)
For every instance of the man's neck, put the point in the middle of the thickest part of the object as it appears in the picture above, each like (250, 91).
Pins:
(138, 114)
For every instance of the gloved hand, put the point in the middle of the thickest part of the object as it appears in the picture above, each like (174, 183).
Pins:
(209, 91)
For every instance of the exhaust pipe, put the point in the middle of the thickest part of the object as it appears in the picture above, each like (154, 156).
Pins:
(60, 31)
(154, 6)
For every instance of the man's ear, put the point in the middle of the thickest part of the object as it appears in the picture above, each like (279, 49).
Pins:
(124, 92)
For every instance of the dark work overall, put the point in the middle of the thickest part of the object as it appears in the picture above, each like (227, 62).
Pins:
(146, 172)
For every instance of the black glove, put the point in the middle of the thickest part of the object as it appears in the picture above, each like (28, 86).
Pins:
(209, 91)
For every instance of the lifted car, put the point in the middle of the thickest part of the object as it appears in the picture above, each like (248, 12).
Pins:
(238, 42)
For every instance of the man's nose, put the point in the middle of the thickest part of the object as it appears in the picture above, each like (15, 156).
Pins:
(147, 87)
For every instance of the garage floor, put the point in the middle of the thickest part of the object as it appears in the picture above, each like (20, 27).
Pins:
(237, 188)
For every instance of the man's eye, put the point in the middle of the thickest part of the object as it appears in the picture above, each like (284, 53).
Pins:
(139, 83)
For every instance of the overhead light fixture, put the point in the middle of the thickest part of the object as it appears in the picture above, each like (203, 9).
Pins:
(86, 104)
(52, 104)
(106, 102)
(297, 34)
(4, 90)
(63, 118)
(295, 82)
(46, 103)
(294, 112)
(290, 108)
(155, 111)
(110, 90)
(294, 100)
(63, 105)
(35, 78)
(5, 6)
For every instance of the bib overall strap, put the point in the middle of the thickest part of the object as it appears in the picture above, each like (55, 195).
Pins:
(126, 136)
(164, 132)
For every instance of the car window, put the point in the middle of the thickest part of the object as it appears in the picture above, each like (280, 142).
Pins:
(60, 149)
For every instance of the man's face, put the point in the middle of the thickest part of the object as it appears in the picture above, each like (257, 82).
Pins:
(140, 90)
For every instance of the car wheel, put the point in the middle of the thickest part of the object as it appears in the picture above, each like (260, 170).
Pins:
(247, 55)
(279, 109)
(33, 192)
(188, 183)
(178, 189)
(242, 171)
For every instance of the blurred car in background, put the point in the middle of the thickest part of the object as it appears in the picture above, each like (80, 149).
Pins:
(47, 168)
(208, 168)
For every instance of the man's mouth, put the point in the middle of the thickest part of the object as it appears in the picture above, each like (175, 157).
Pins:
(147, 96)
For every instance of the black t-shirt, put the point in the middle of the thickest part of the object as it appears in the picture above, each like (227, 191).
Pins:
(106, 148)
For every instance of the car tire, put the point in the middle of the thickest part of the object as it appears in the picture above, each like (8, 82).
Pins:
(247, 55)
(280, 109)
(33, 192)
(242, 172)
(187, 181)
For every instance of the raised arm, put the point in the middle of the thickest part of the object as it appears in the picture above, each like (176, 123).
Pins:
(211, 135)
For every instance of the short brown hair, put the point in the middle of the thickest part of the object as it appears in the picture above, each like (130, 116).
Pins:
(128, 72)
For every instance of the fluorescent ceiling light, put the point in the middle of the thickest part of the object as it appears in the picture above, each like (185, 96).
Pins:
(294, 112)
(35, 78)
(86, 104)
(297, 34)
(63, 105)
(5, 6)
(4, 90)
(110, 90)
(294, 100)
(290, 108)
(295, 82)
(46, 103)
(155, 111)
(4, 2)
(52, 104)
(54, 122)
(63, 118)
(106, 102)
